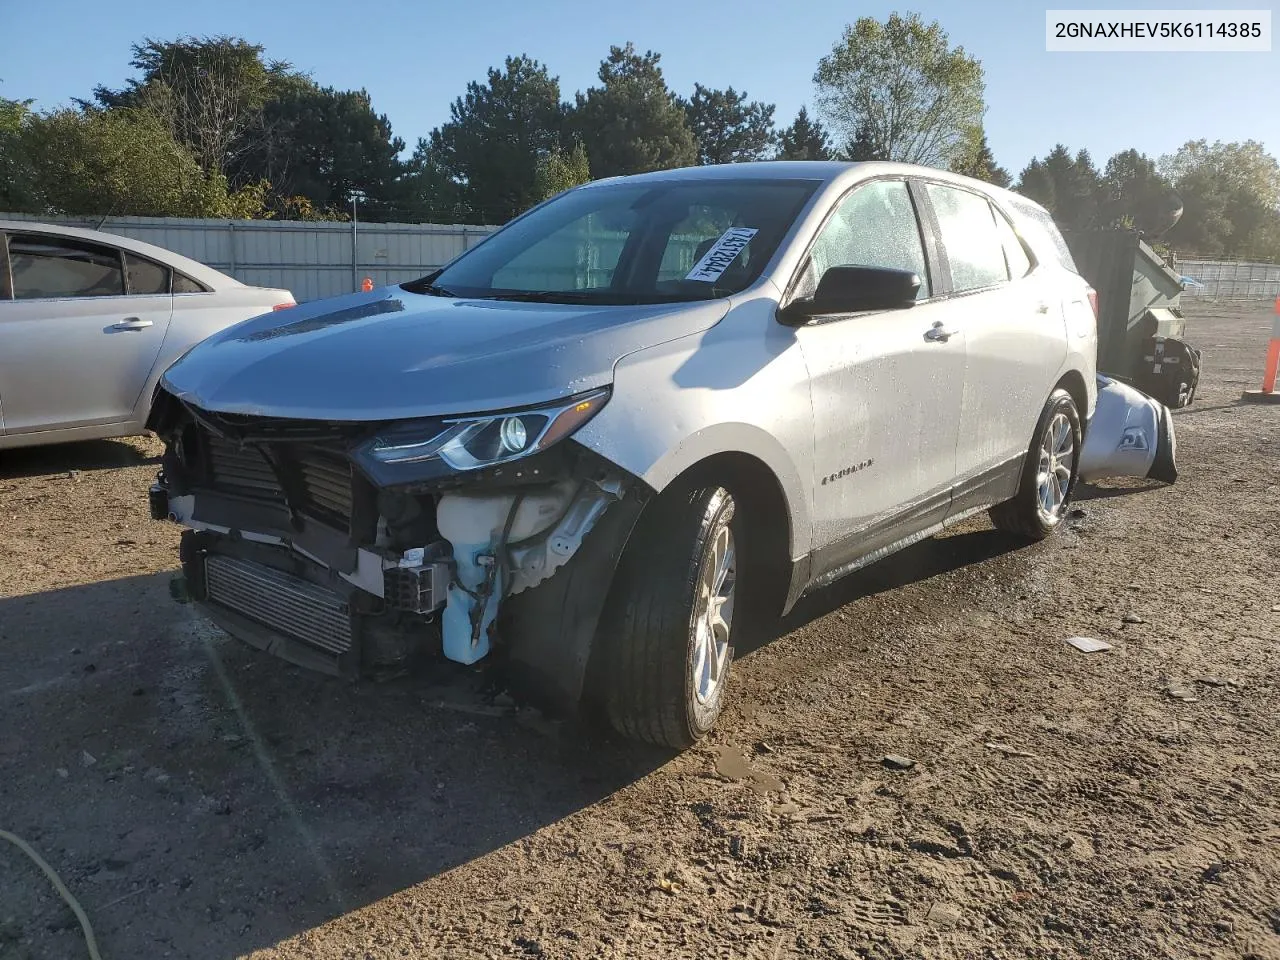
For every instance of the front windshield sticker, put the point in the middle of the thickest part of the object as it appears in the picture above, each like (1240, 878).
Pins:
(722, 253)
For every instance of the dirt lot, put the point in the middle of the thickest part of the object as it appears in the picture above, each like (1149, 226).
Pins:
(205, 801)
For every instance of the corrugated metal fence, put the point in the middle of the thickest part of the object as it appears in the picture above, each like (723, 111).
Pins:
(1229, 279)
(311, 259)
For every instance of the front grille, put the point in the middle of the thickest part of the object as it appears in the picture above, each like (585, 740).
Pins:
(243, 471)
(240, 470)
(279, 601)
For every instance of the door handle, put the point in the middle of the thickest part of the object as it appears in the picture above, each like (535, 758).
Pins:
(938, 333)
(131, 323)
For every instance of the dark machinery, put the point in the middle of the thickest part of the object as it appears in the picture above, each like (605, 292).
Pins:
(1141, 331)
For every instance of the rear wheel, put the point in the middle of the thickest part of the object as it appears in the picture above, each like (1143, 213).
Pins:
(670, 628)
(1048, 473)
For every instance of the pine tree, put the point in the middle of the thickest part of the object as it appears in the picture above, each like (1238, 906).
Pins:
(805, 139)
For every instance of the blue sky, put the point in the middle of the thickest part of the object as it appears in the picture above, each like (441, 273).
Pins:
(414, 58)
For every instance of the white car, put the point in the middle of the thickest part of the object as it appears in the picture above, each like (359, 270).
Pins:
(572, 445)
(88, 323)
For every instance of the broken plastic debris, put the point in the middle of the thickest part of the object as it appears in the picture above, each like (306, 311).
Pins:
(1088, 644)
(895, 761)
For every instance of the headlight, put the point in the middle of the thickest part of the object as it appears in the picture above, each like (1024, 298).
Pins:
(471, 443)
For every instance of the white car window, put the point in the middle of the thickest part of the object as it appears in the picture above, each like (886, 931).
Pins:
(693, 236)
(968, 227)
(184, 284)
(45, 267)
(145, 276)
(580, 255)
(1015, 254)
(875, 226)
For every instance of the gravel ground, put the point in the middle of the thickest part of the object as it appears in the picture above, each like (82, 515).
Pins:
(203, 800)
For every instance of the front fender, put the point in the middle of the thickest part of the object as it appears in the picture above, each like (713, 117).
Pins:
(739, 387)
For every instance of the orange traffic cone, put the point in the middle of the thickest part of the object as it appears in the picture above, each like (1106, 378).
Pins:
(367, 284)
(1268, 392)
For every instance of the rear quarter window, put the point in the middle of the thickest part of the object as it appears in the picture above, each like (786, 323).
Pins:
(1041, 222)
(145, 277)
(184, 284)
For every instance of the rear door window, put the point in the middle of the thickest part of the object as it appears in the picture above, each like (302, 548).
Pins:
(967, 226)
(146, 277)
(53, 267)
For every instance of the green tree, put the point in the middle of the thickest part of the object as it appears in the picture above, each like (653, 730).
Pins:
(862, 146)
(1240, 166)
(429, 193)
(211, 92)
(805, 139)
(1231, 198)
(17, 191)
(1068, 187)
(122, 162)
(978, 161)
(632, 122)
(727, 127)
(1135, 194)
(1036, 183)
(560, 170)
(495, 135)
(320, 147)
(914, 95)
(249, 119)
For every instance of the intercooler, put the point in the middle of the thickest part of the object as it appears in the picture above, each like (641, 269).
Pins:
(283, 603)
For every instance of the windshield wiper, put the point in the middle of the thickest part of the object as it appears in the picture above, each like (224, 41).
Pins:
(600, 297)
(433, 289)
(553, 296)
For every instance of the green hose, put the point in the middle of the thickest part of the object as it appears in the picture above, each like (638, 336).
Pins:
(60, 887)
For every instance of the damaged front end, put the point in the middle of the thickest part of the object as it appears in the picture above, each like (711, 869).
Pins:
(354, 548)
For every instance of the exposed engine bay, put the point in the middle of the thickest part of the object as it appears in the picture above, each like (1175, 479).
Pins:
(355, 548)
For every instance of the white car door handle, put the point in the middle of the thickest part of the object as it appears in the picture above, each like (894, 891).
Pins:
(132, 323)
(938, 333)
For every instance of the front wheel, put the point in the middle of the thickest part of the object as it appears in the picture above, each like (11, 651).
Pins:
(1048, 474)
(671, 627)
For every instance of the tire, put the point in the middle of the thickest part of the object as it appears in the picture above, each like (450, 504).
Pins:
(660, 685)
(1164, 466)
(1025, 514)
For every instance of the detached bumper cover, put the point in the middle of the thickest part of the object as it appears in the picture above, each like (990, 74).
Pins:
(1130, 435)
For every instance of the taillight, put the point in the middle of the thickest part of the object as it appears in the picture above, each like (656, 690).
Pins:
(1093, 301)
(283, 306)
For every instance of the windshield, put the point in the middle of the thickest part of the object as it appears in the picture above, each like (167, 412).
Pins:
(631, 242)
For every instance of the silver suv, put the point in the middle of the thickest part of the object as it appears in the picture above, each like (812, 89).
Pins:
(641, 418)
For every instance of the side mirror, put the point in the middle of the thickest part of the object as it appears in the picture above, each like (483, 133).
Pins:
(853, 290)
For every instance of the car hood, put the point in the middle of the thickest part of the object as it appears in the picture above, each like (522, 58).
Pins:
(389, 354)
